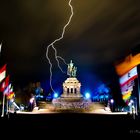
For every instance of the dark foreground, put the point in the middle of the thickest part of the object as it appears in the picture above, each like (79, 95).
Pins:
(71, 124)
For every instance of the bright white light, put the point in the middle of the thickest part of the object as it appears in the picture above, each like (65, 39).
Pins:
(21, 107)
(112, 101)
(55, 95)
(87, 95)
(129, 104)
(31, 100)
(131, 101)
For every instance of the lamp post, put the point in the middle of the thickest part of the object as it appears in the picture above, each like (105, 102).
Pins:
(112, 102)
(135, 105)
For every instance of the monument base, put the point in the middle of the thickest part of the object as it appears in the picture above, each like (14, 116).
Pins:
(71, 103)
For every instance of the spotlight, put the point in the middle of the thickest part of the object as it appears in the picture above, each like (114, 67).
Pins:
(55, 95)
(87, 95)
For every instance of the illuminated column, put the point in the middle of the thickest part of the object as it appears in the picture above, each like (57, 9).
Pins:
(78, 88)
(64, 89)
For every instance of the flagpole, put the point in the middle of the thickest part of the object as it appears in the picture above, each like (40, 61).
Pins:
(3, 105)
(2, 115)
(0, 47)
(7, 107)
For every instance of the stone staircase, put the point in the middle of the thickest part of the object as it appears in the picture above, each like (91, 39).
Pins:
(42, 104)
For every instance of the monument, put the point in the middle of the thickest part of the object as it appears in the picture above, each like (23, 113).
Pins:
(71, 98)
(71, 86)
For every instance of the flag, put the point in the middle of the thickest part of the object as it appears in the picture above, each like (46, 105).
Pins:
(127, 95)
(11, 89)
(7, 89)
(2, 72)
(129, 76)
(4, 84)
(10, 95)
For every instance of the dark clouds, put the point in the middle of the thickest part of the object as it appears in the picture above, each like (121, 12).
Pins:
(101, 32)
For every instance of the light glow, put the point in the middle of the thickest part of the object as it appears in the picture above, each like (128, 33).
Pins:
(55, 95)
(31, 100)
(87, 95)
(112, 101)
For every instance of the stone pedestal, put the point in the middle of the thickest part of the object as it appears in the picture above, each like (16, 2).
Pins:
(71, 99)
(71, 88)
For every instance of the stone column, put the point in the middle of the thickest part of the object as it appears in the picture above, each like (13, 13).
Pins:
(75, 90)
(78, 90)
(65, 90)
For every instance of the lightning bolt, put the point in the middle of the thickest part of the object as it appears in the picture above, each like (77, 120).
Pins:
(57, 57)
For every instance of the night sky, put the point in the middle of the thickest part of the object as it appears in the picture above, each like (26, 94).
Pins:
(101, 32)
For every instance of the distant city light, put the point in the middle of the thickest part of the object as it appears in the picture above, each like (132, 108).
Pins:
(55, 95)
(39, 96)
(106, 96)
(87, 95)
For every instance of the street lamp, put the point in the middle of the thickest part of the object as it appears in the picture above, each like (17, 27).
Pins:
(131, 101)
(112, 102)
(136, 106)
